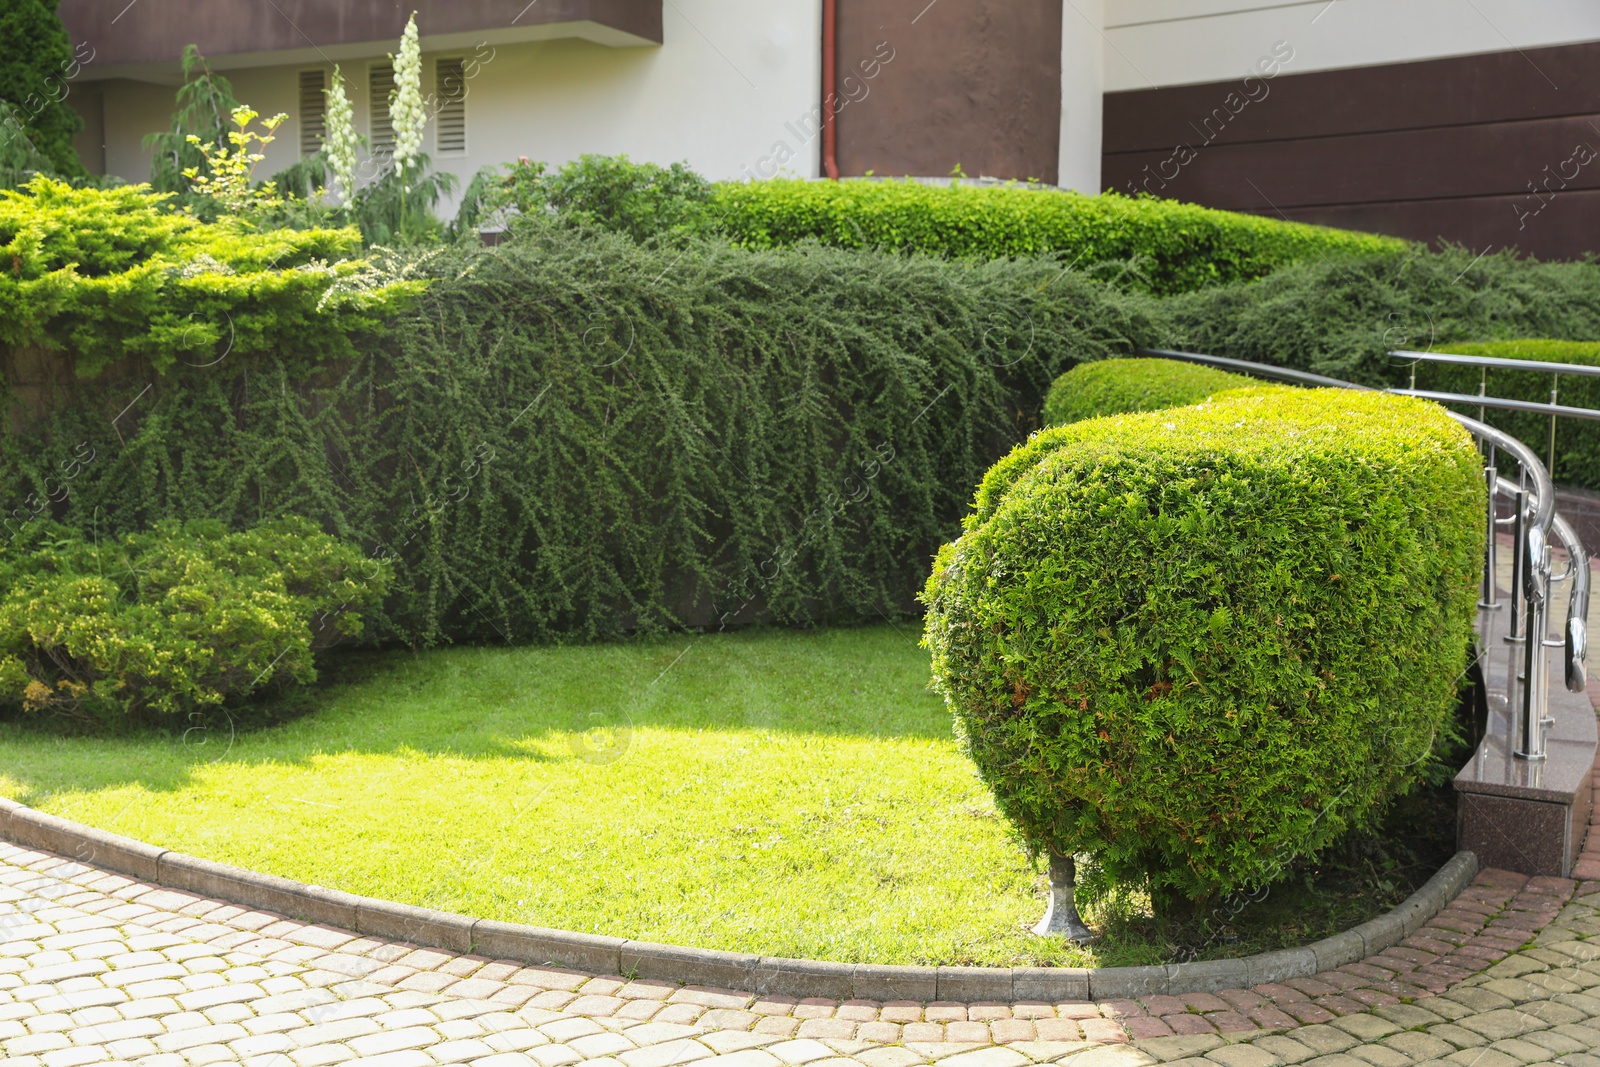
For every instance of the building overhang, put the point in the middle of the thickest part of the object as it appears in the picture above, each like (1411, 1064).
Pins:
(144, 39)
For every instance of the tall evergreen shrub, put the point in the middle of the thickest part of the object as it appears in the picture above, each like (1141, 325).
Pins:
(36, 78)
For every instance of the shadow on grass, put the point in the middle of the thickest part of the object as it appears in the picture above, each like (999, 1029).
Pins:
(536, 704)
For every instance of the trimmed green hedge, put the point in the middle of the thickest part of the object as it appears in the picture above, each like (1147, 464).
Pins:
(1577, 440)
(1122, 386)
(1203, 641)
(1175, 247)
(574, 434)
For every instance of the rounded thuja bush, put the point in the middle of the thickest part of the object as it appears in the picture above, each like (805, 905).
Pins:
(1201, 642)
(1120, 386)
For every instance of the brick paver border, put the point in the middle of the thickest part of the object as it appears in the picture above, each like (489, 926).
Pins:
(760, 974)
(1494, 917)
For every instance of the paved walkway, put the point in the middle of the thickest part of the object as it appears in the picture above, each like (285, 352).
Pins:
(96, 968)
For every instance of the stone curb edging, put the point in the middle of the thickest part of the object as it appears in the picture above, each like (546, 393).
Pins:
(766, 975)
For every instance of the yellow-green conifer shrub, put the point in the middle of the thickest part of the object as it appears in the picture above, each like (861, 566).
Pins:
(174, 620)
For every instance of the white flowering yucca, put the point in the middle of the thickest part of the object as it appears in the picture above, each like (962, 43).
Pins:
(339, 141)
(406, 112)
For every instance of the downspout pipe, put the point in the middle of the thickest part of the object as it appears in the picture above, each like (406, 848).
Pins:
(830, 64)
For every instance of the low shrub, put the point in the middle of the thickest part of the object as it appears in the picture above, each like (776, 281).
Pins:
(1342, 315)
(1201, 642)
(642, 200)
(576, 434)
(174, 620)
(1122, 386)
(1577, 440)
(109, 274)
(1174, 247)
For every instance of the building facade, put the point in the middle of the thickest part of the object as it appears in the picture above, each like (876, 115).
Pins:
(1474, 121)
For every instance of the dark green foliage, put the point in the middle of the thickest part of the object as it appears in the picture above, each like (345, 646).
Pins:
(1339, 315)
(205, 104)
(35, 80)
(1201, 642)
(303, 179)
(575, 434)
(1577, 440)
(638, 199)
(20, 160)
(172, 620)
(1121, 386)
(1168, 247)
(397, 208)
(642, 200)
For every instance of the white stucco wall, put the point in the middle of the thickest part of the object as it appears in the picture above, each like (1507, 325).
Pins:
(1082, 85)
(723, 90)
(733, 87)
(1177, 42)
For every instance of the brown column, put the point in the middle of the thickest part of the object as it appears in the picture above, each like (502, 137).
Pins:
(924, 88)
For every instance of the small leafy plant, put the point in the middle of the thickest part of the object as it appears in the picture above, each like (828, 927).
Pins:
(226, 174)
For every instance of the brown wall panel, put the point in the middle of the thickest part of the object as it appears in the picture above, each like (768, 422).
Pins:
(1452, 161)
(1465, 90)
(1495, 150)
(974, 83)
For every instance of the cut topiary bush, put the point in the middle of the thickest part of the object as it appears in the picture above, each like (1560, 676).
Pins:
(1122, 386)
(1204, 641)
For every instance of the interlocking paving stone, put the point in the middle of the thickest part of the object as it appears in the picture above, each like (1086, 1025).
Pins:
(96, 968)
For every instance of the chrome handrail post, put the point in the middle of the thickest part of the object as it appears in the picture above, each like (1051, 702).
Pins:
(1491, 585)
(1555, 381)
(1530, 735)
(1519, 503)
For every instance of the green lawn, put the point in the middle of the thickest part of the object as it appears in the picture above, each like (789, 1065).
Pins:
(791, 793)
(795, 794)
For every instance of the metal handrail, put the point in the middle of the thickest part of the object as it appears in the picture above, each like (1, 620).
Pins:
(1543, 489)
(1576, 637)
(1497, 402)
(1500, 362)
(1534, 519)
(1484, 401)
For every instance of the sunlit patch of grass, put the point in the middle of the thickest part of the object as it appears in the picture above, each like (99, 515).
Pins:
(784, 793)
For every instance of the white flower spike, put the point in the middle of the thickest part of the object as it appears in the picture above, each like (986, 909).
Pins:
(407, 115)
(339, 141)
